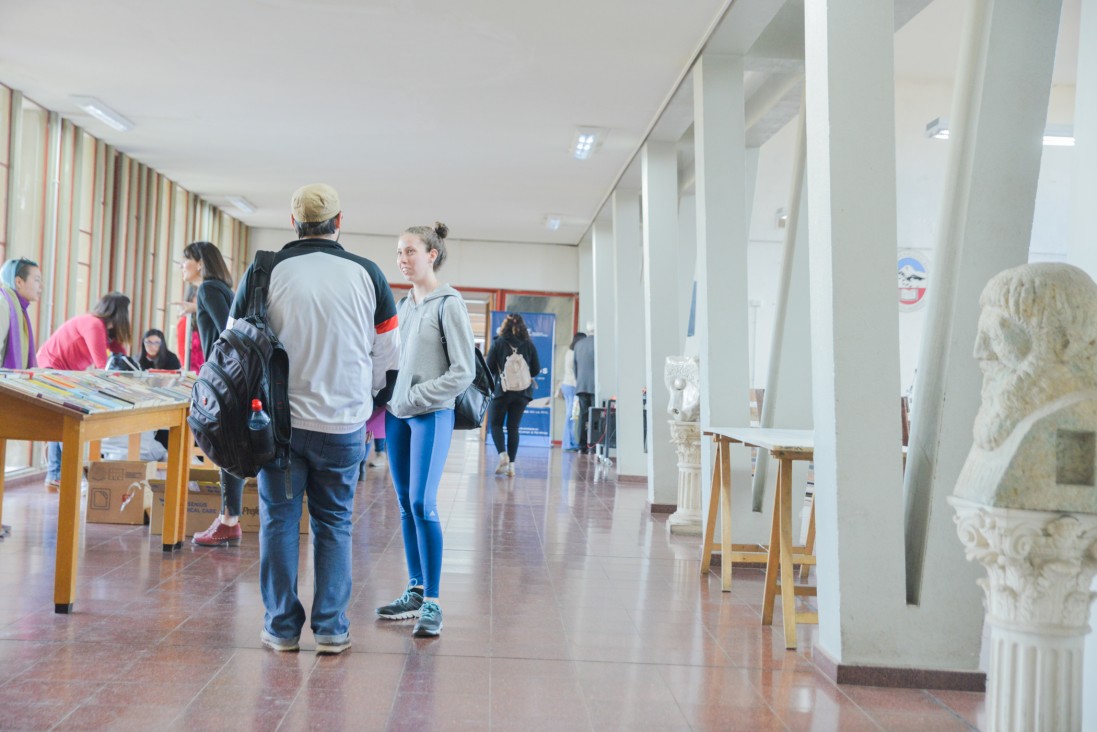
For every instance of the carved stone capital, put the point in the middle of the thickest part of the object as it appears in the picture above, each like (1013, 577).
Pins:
(686, 438)
(1039, 564)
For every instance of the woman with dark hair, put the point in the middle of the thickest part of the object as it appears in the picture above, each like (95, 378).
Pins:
(419, 423)
(155, 353)
(20, 285)
(204, 268)
(507, 404)
(566, 391)
(79, 343)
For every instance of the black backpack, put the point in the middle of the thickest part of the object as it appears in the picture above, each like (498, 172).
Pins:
(248, 362)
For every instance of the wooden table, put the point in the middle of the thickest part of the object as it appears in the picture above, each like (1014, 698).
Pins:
(780, 554)
(27, 418)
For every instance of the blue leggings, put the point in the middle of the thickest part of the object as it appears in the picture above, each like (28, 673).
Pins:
(417, 449)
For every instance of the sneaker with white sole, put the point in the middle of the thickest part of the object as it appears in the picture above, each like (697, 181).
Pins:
(510, 470)
(404, 607)
(378, 460)
(430, 621)
(504, 461)
(331, 649)
(275, 643)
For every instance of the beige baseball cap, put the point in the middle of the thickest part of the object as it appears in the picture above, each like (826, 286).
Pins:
(314, 203)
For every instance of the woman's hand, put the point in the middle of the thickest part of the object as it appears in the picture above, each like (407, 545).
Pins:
(186, 308)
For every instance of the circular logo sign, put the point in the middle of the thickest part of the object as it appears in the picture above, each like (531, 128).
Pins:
(913, 278)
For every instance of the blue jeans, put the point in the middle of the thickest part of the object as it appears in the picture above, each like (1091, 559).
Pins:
(568, 439)
(325, 467)
(53, 460)
(417, 448)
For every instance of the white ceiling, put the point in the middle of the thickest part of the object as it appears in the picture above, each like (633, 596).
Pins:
(416, 110)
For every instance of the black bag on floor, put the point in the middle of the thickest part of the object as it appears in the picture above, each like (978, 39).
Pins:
(248, 362)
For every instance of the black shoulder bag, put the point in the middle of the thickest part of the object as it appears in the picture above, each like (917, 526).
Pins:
(472, 403)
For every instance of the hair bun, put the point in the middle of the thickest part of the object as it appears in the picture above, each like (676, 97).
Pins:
(441, 229)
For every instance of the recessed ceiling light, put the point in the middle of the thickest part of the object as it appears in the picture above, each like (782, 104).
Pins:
(552, 221)
(242, 203)
(103, 113)
(586, 141)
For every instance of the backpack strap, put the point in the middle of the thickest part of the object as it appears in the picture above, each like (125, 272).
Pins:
(441, 328)
(259, 284)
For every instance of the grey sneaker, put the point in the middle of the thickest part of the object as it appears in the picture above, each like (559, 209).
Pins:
(403, 607)
(275, 643)
(332, 648)
(430, 621)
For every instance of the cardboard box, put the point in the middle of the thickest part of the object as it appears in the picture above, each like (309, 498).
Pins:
(204, 502)
(118, 492)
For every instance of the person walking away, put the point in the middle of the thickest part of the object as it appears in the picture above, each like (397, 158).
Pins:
(584, 385)
(334, 313)
(419, 425)
(566, 391)
(512, 358)
(204, 268)
(80, 343)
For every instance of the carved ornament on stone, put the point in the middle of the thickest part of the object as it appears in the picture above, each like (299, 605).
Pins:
(682, 376)
(1039, 564)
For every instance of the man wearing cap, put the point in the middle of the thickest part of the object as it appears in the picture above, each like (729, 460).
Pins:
(334, 313)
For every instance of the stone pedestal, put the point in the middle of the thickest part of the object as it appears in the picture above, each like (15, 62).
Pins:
(1039, 568)
(686, 437)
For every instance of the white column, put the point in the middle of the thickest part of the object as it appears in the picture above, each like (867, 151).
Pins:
(1039, 567)
(659, 173)
(586, 281)
(719, 130)
(998, 116)
(1083, 215)
(628, 260)
(687, 270)
(855, 321)
(605, 312)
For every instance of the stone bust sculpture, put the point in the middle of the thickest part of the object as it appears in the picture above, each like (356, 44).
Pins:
(682, 376)
(1036, 429)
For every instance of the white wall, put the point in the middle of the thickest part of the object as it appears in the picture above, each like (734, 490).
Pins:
(471, 264)
(920, 164)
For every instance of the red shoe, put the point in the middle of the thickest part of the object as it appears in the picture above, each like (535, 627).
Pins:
(219, 535)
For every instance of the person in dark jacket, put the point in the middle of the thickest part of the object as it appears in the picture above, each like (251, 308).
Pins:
(205, 268)
(508, 406)
(584, 385)
(155, 353)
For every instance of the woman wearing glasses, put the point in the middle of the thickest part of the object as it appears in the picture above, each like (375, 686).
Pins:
(155, 353)
(20, 285)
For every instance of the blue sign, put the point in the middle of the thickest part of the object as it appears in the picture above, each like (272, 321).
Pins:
(536, 429)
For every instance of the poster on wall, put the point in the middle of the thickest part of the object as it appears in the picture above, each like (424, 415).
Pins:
(913, 278)
(536, 429)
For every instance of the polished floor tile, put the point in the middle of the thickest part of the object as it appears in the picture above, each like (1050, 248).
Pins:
(567, 607)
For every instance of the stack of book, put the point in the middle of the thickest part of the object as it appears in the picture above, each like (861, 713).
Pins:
(91, 392)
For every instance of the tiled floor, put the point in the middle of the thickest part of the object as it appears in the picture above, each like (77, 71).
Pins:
(566, 608)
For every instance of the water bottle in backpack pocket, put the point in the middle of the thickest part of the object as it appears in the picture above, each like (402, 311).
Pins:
(260, 433)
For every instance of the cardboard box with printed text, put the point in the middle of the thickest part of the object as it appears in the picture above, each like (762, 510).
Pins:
(118, 492)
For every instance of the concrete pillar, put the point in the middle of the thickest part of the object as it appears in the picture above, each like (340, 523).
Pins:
(855, 322)
(628, 260)
(722, 326)
(659, 172)
(1083, 244)
(586, 282)
(999, 112)
(687, 272)
(605, 312)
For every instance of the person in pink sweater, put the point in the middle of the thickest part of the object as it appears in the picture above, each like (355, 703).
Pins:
(80, 343)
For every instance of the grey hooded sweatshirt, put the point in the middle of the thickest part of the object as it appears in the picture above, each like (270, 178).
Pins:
(427, 381)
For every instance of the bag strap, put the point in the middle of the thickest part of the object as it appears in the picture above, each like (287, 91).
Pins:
(442, 328)
(259, 284)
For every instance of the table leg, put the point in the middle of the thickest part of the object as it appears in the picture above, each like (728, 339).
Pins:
(809, 542)
(134, 448)
(713, 508)
(4, 530)
(772, 557)
(788, 584)
(175, 499)
(723, 460)
(68, 516)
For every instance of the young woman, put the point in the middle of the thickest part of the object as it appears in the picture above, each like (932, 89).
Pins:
(204, 268)
(20, 285)
(81, 342)
(566, 391)
(509, 406)
(155, 353)
(419, 424)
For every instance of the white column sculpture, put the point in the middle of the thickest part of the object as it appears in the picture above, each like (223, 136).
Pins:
(682, 375)
(1026, 499)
